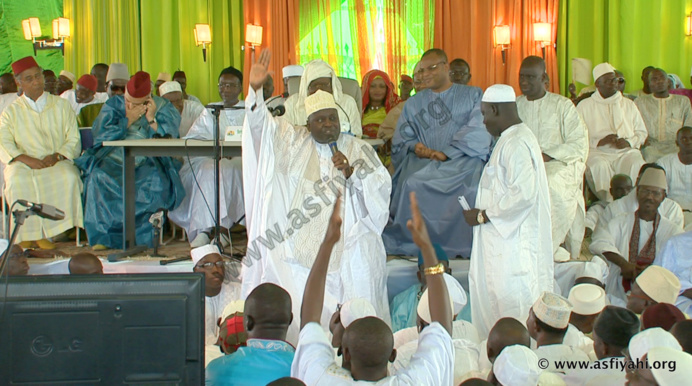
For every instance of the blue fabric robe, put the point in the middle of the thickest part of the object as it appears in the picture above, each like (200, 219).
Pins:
(261, 362)
(450, 122)
(157, 181)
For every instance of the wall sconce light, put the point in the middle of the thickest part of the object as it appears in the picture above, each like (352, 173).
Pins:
(542, 33)
(32, 31)
(202, 38)
(501, 37)
(253, 35)
(688, 25)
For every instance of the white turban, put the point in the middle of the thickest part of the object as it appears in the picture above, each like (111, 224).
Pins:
(169, 87)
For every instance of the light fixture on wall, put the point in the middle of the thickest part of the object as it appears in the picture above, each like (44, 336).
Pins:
(253, 35)
(202, 38)
(688, 25)
(501, 37)
(32, 31)
(542, 33)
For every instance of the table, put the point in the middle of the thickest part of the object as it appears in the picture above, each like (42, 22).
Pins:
(166, 148)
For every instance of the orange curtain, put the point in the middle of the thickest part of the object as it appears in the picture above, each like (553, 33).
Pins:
(279, 20)
(464, 29)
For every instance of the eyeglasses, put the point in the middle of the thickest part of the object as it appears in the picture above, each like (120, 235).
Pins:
(228, 86)
(620, 80)
(430, 68)
(208, 265)
(115, 88)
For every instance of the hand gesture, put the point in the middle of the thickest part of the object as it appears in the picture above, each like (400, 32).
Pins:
(334, 229)
(134, 112)
(438, 156)
(416, 225)
(151, 109)
(260, 70)
(610, 139)
(341, 163)
(422, 151)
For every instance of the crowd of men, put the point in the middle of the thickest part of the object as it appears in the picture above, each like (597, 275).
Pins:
(517, 184)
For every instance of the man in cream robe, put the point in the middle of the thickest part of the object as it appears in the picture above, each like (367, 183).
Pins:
(664, 114)
(678, 167)
(318, 75)
(38, 140)
(613, 239)
(291, 181)
(195, 212)
(616, 132)
(189, 109)
(512, 256)
(563, 139)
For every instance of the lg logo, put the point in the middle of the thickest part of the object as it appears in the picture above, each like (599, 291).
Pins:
(43, 346)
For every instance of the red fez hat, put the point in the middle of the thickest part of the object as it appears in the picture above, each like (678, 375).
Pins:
(139, 86)
(662, 315)
(406, 78)
(23, 64)
(88, 81)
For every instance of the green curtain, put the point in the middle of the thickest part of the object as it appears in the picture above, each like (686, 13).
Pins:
(156, 36)
(354, 36)
(629, 34)
(12, 43)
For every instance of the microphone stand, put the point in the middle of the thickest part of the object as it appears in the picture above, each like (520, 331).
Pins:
(216, 111)
(19, 217)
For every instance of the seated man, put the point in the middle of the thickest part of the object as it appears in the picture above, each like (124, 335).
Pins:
(181, 78)
(85, 264)
(616, 131)
(100, 71)
(66, 81)
(654, 285)
(459, 71)
(613, 329)
(620, 186)
(439, 149)
(404, 305)
(161, 79)
(84, 94)
(116, 80)
(631, 241)
(197, 173)
(137, 115)
(38, 141)
(267, 356)
(547, 324)
(221, 287)
(51, 82)
(678, 168)
(675, 257)
(346, 314)
(367, 343)
(564, 143)
(189, 109)
(588, 301)
(318, 75)
(663, 115)
(288, 72)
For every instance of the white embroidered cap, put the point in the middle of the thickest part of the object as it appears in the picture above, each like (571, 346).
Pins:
(499, 93)
(320, 100)
(553, 310)
(198, 253)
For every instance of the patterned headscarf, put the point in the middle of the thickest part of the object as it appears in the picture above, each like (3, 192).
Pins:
(390, 100)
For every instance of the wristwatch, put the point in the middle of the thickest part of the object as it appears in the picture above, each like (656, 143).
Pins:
(480, 218)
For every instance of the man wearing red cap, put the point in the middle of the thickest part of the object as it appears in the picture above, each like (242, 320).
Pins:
(38, 140)
(136, 115)
(85, 93)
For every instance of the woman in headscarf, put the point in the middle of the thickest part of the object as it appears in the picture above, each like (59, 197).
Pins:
(378, 99)
(319, 75)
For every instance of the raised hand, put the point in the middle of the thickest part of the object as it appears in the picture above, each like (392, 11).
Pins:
(260, 70)
(334, 228)
(416, 225)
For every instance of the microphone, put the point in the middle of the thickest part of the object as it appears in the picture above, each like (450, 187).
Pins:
(44, 210)
(333, 148)
(213, 106)
(277, 111)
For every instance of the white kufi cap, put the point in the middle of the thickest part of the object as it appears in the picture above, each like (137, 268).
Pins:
(663, 374)
(644, 341)
(68, 75)
(587, 299)
(168, 87)
(320, 100)
(517, 365)
(457, 298)
(355, 309)
(198, 253)
(659, 284)
(499, 93)
(293, 70)
(602, 69)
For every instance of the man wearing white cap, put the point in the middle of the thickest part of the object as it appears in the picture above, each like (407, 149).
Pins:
(161, 79)
(631, 241)
(346, 314)
(641, 345)
(547, 324)
(289, 72)
(464, 334)
(616, 132)
(562, 135)
(676, 257)
(291, 178)
(512, 255)
(517, 365)
(587, 300)
(198, 174)
(678, 371)
(620, 186)
(220, 287)
(663, 114)
(654, 285)
(678, 168)
(66, 81)
(189, 109)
